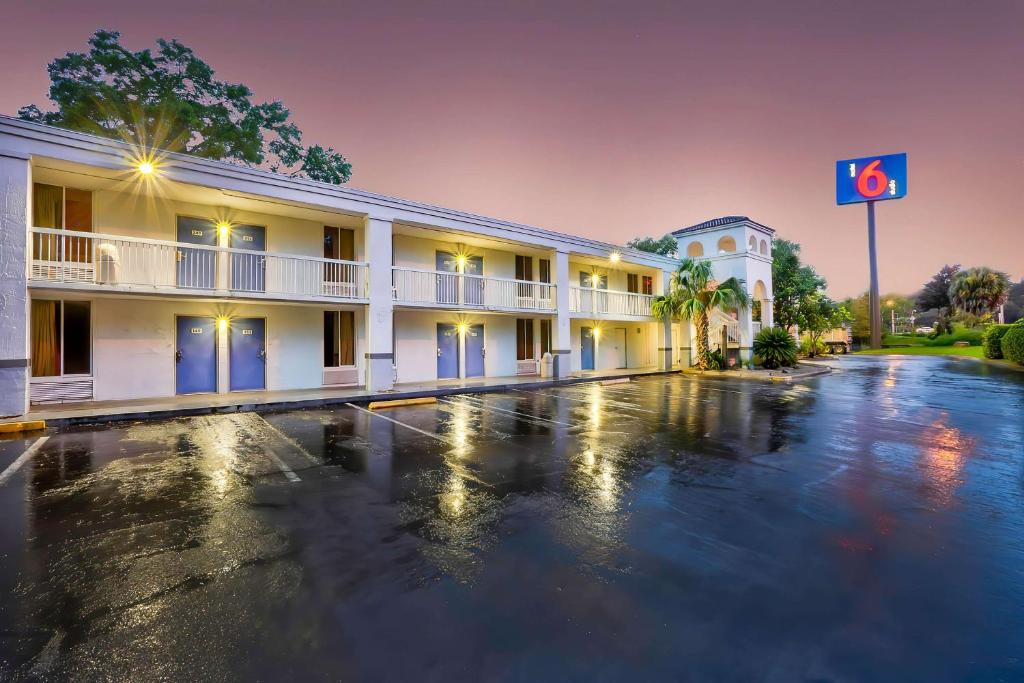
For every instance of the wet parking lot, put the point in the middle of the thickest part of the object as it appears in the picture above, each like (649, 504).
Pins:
(867, 525)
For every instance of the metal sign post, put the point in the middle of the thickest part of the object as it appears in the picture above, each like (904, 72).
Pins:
(872, 179)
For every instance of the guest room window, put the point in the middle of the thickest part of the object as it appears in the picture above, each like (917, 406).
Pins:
(61, 338)
(648, 284)
(339, 339)
(524, 339)
(61, 208)
(545, 337)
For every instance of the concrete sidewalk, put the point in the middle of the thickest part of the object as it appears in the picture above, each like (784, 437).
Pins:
(87, 412)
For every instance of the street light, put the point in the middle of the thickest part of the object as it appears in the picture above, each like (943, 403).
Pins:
(892, 315)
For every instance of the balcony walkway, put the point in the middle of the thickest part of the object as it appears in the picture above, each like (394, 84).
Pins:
(66, 414)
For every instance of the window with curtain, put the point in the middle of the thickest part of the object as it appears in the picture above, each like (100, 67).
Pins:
(648, 284)
(632, 283)
(58, 207)
(545, 337)
(61, 338)
(524, 339)
(339, 339)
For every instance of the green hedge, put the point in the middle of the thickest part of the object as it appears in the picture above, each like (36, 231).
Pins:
(990, 340)
(970, 335)
(1012, 344)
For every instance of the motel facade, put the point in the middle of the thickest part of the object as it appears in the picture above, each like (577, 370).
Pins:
(127, 276)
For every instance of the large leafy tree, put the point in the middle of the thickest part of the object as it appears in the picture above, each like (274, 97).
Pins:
(169, 99)
(693, 294)
(818, 315)
(935, 293)
(792, 282)
(977, 291)
(666, 245)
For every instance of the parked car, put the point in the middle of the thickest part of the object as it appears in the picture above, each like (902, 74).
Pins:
(924, 330)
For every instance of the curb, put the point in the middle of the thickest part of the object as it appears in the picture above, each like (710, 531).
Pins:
(27, 426)
(364, 399)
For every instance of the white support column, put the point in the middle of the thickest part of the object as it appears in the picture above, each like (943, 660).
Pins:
(561, 336)
(15, 200)
(380, 312)
(665, 330)
(768, 313)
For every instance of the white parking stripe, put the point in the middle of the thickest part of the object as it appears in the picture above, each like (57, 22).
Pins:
(480, 405)
(402, 424)
(22, 459)
(618, 404)
(290, 440)
(281, 465)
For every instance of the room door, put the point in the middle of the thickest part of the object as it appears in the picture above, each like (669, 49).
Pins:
(474, 286)
(619, 347)
(475, 351)
(447, 351)
(587, 348)
(249, 271)
(247, 347)
(197, 268)
(447, 284)
(195, 355)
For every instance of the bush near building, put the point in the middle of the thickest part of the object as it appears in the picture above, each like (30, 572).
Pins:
(992, 338)
(1012, 344)
(774, 347)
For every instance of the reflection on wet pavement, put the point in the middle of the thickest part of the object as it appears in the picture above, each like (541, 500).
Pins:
(867, 525)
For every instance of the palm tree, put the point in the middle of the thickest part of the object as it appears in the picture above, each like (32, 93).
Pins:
(692, 294)
(977, 291)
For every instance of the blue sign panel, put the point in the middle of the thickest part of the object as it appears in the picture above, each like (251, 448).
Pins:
(871, 179)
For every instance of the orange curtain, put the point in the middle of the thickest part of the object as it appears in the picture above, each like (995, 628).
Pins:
(347, 353)
(45, 344)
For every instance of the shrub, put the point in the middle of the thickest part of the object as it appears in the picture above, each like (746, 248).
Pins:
(775, 347)
(716, 361)
(991, 340)
(1012, 344)
(806, 349)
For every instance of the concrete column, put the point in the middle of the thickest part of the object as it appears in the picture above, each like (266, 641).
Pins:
(561, 336)
(380, 312)
(15, 216)
(665, 330)
(665, 345)
(768, 313)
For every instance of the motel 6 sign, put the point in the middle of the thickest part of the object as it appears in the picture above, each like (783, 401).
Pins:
(871, 179)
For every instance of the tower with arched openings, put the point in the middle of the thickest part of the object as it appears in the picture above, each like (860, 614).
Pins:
(737, 247)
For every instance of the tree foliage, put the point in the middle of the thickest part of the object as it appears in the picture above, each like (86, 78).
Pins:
(792, 282)
(170, 100)
(977, 291)
(692, 294)
(818, 315)
(666, 245)
(935, 293)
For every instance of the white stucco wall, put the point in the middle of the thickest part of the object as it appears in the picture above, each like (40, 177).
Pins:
(416, 343)
(134, 342)
(416, 252)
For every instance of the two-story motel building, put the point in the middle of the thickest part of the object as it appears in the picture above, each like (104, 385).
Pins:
(130, 276)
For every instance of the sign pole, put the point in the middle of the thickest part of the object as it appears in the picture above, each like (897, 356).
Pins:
(874, 304)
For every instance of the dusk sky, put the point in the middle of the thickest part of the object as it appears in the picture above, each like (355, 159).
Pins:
(615, 120)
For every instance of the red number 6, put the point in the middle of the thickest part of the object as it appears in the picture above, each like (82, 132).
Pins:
(871, 171)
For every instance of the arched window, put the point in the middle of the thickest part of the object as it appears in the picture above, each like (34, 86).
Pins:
(764, 247)
(694, 249)
(760, 291)
(726, 245)
(753, 243)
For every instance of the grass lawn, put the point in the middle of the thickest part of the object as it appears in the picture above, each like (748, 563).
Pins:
(972, 351)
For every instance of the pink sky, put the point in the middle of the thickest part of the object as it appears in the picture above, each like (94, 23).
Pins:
(614, 120)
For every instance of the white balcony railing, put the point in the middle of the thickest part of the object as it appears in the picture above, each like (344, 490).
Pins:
(755, 328)
(439, 288)
(134, 264)
(606, 302)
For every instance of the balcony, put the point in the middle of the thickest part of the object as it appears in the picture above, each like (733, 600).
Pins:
(608, 303)
(440, 289)
(86, 260)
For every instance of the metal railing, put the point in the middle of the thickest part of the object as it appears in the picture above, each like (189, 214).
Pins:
(134, 263)
(609, 302)
(441, 288)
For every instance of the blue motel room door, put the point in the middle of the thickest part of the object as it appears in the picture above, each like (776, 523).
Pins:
(247, 351)
(195, 356)
(447, 351)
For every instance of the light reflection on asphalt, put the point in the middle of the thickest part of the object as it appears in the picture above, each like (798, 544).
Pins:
(865, 525)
